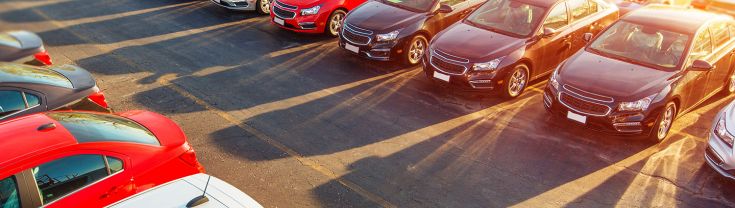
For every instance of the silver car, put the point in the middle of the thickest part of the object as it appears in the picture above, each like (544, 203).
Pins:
(719, 153)
(261, 6)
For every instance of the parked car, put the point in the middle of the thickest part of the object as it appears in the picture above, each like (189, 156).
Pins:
(400, 30)
(644, 71)
(84, 159)
(188, 191)
(626, 6)
(719, 152)
(504, 44)
(260, 6)
(24, 47)
(27, 89)
(313, 16)
(722, 6)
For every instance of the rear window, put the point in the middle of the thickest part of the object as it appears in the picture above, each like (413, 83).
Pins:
(87, 127)
(10, 72)
(10, 41)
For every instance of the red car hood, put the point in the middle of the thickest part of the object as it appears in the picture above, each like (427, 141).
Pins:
(301, 3)
(167, 132)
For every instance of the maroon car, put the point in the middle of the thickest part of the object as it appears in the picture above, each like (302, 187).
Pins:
(506, 43)
(645, 70)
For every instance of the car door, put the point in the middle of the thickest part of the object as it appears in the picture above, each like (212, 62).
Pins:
(15, 102)
(552, 50)
(581, 15)
(721, 57)
(83, 180)
(695, 82)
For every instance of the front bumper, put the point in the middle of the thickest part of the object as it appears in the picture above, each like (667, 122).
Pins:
(303, 24)
(614, 123)
(229, 4)
(470, 81)
(377, 51)
(718, 154)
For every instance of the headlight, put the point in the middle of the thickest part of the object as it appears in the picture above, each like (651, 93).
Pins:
(553, 79)
(310, 11)
(639, 105)
(388, 36)
(722, 133)
(487, 66)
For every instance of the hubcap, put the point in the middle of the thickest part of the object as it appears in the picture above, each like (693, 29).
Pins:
(336, 23)
(665, 123)
(517, 82)
(265, 6)
(416, 51)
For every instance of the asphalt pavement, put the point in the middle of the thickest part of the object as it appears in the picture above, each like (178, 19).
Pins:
(295, 121)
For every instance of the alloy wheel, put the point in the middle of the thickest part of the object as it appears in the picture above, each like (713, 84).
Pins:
(265, 6)
(666, 120)
(517, 82)
(336, 22)
(416, 50)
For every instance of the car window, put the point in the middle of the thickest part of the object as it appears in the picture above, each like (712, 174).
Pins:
(32, 100)
(557, 17)
(9, 193)
(11, 102)
(452, 2)
(507, 16)
(60, 177)
(579, 8)
(702, 47)
(732, 30)
(11, 72)
(116, 165)
(88, 127)
(720, 34)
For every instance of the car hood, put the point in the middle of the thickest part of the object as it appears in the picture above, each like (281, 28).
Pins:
(80, 78)
(179, 192)
(300, 3)
(377, 16)
(474, 43)
(611, 77)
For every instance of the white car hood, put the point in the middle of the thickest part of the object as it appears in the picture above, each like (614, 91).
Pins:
(179, 192)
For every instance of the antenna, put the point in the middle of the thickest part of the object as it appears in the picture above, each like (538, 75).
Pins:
(199, 200)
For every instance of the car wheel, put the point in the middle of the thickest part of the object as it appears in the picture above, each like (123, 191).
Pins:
(516, 81)
(335, 22)
(663, 123)
(415, 50)
(263, 6)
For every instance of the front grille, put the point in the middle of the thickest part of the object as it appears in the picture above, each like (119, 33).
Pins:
(447, 67)
(451, 57)
(583, 106)
(283, 13)
(356, 35)
(588, 95)
(291, 7)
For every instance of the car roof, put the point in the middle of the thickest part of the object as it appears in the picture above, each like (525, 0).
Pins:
(21, 73)
(672, 18)
(22, 138)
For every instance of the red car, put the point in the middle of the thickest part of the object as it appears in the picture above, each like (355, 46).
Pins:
(84, 159)
(312, 16)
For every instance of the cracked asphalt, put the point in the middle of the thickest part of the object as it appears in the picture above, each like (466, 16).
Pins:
(294, 121)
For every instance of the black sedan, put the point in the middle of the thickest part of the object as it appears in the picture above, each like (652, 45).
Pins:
(399, 30)
(23, 46)
(27, 89)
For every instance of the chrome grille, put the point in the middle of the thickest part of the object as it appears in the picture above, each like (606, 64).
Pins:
(282, 13)
(583, 106)
(591, 96)
(448, 63)
(286, 6)
(356, 35)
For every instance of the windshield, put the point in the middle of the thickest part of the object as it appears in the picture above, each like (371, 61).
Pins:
(507, 16)
(413, 5)
(642, 45)
(87, 127)
(11, 72)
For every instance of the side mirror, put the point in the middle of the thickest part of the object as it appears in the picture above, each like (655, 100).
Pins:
(588, 37)
(701, 65)
(443, 8)
(548, 32)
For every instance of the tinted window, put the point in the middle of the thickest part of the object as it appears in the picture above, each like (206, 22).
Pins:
(720, 34)
(702, 47)
(557, 18)
(63, 176)
(10, 72)
(9, 193)
(641, 44)
(87, 127)
(116, 165)
(11, 102)
(32, 100)
(507, 16)
(579, 8)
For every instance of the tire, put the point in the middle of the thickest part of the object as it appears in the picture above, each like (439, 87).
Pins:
(515, 82)
(334, 23)
(415, 50)
(663, 123)
(263, 6)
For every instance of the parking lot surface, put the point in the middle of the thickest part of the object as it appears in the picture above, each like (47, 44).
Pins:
(295, 121)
